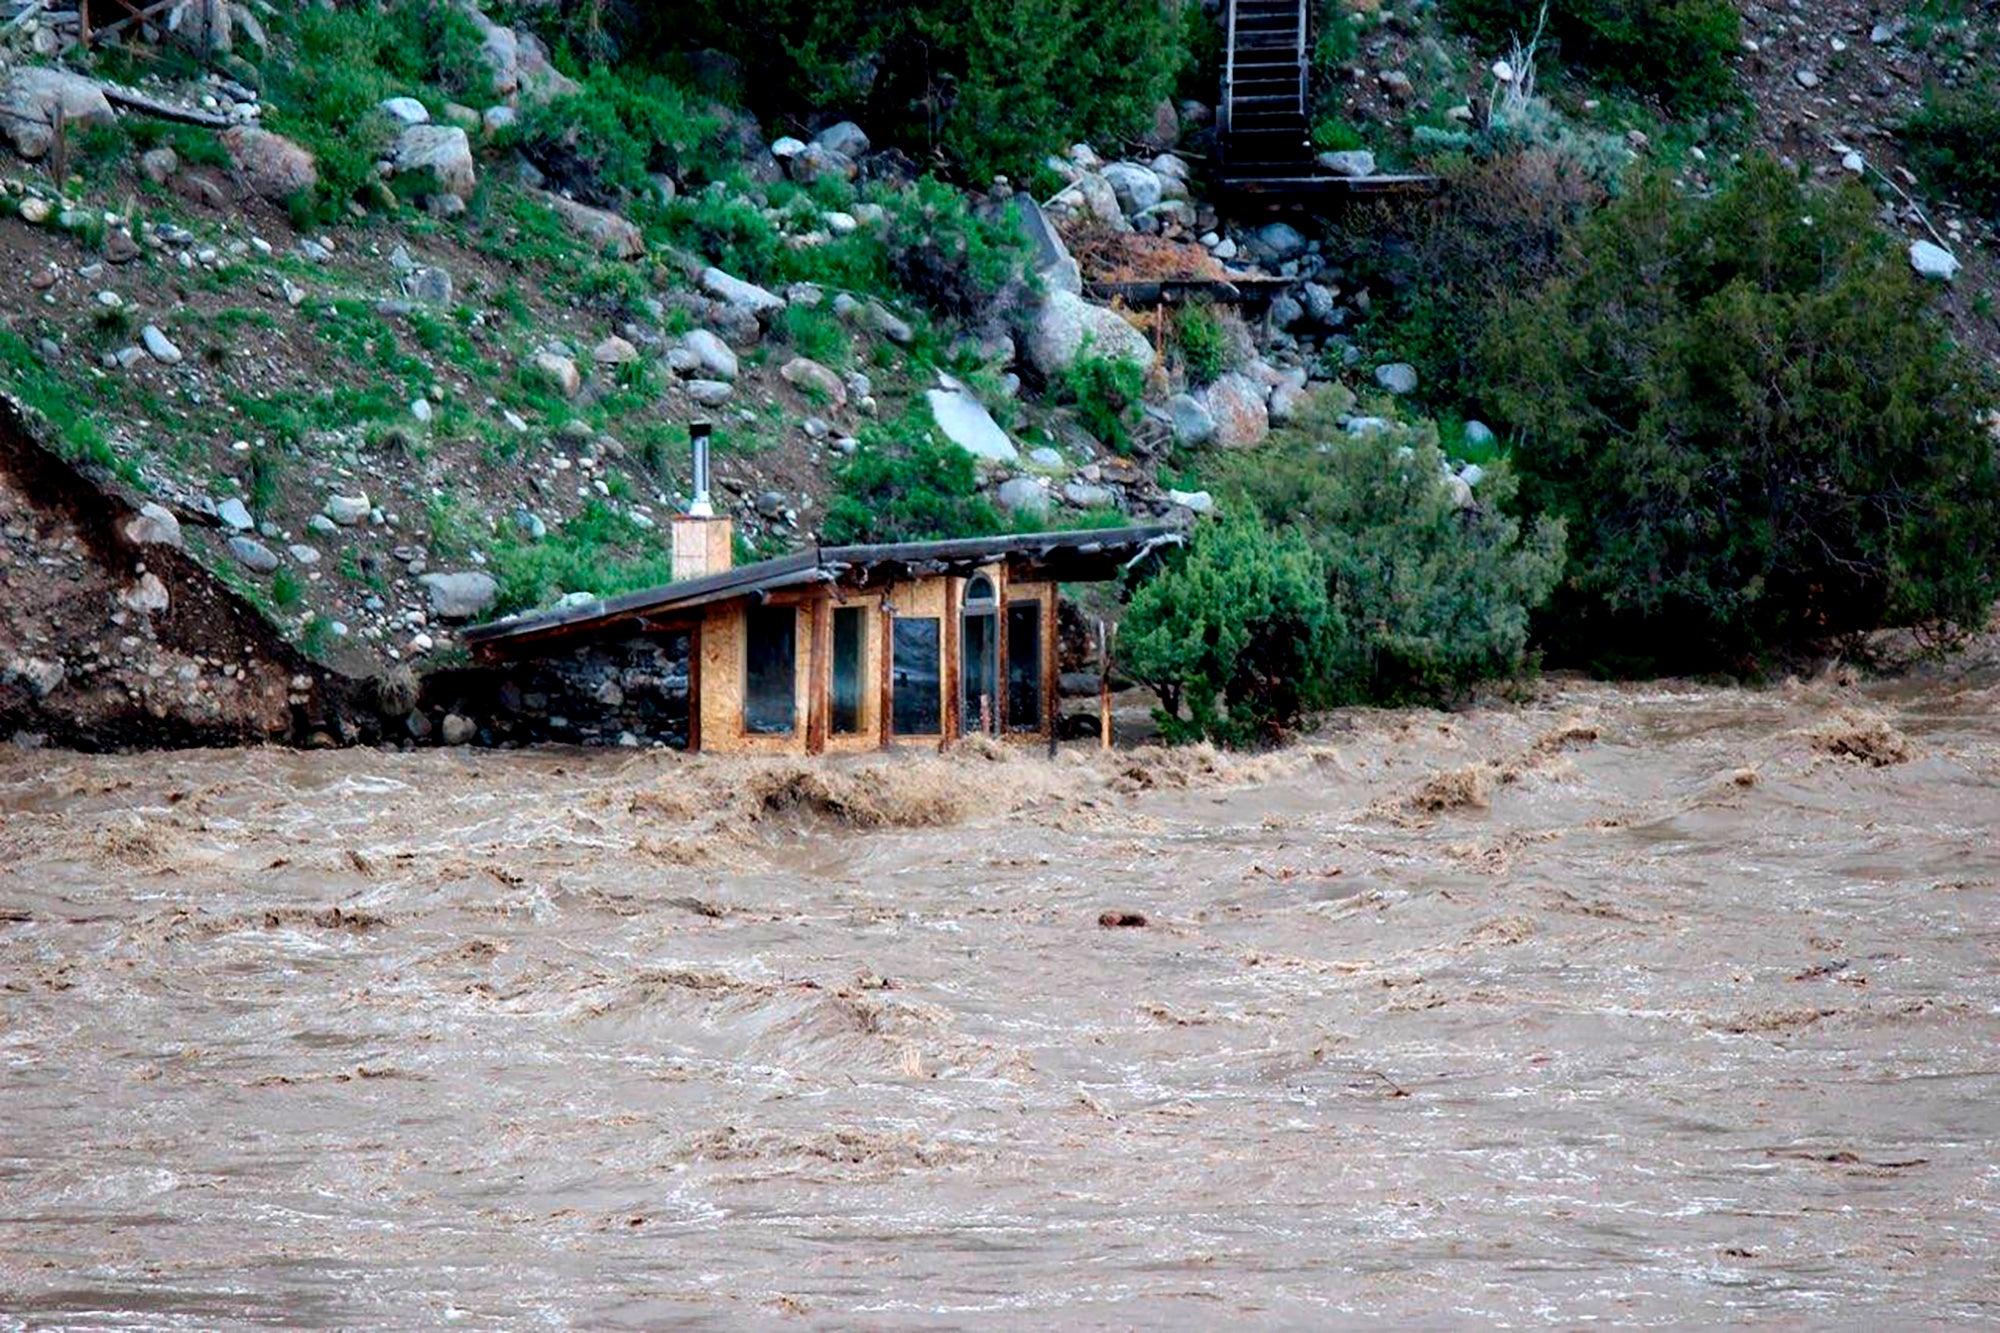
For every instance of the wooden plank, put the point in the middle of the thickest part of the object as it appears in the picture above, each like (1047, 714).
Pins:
(885, 662)
(951, 667)
(1051, 691)
(694, 690)
(819, 675)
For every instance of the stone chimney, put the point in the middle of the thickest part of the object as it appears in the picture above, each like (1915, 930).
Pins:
(704, 541)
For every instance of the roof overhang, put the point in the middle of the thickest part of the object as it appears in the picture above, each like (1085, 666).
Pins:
(1090, 555)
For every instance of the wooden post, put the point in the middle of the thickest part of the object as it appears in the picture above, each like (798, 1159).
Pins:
(1105, 636)
(694, 690)
(951, 669)
(819, 674)
(1051, 700)
(885, 670)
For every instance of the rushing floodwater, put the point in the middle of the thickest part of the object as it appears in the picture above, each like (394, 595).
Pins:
(1693, 1019)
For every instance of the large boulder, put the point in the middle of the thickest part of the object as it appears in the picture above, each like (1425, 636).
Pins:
(816, 162)
(1192, 422)
(1090, 196)
(34, 98)
(442, 150)
(711, 354)
(810, 377)
(1236, 402)
(965, 421)
(740, 295)
(845, 137)
(1933, 261)
(1066, 324)
(1276, 243)
(608, 232)
(460, 596)
(517, 62)
(1025, 495)
(1137, 188)
(269, 165)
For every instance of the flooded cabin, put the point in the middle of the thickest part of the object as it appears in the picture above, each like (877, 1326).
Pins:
(832, 649)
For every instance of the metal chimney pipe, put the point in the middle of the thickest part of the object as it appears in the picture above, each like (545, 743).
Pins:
(700, 506)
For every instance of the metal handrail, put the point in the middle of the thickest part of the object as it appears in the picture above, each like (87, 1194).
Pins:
(1224, 119)
(1303, 67)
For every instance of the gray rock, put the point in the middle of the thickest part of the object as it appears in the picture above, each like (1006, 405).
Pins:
(874, 315)
(1276, 243)
(322, 525)
(154, 525)
(35, 97)
(1136, 188)
(432, 286)
(808, 375)
(252, 554)
(608, 232)
(146, 595)
(460, 596)
(1043, 456)
(1319, 301)
(160, 347)
(305, 555)
(614, 351)
(740, 295)
(500, 119)
(558, 370)
(1398, 377)
(711, 354)
(1356, 162)
(1091, 195)
(457, 730)
(816, 162)
(271, 165)
(1359, 426)
(1286, 310)
(771, 504)
(530, 524)
(1933, 261)
(1478, 434)
(1200, 502)
(1066, 323)
(1192, 422)
(348, 510)
(158, 165)
(965, 421)
(1087, 495)
(1237, 404)
(1286, 400)
(1025, 495)
(442, 150)
(710, 393)
(786, 147)
(845, 137)
(234, 515)
(406, 111)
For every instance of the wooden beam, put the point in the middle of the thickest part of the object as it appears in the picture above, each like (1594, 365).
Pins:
(819, 673)
(885, 662)
(951, 668)
(694, 690)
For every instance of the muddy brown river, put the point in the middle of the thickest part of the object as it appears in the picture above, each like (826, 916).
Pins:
(1630, 1004)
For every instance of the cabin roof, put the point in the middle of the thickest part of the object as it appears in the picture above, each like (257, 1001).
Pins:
(1084, 556)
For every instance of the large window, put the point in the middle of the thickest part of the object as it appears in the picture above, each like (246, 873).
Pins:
(850, 652)
(979, 659)
(770, 665)
(1024, 666)
(916, 676)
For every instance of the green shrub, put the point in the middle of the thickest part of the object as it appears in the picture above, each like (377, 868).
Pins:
(1432, 598)
(1758, 433)
(1204, 348)
(815, 332)
(1236, 635)
(1952, 138)
(1675, 50)
(1107, 392)
(905, 484)
(947, 256)
(599, 551)
(287, 589)
(602, 142)
(991, 84)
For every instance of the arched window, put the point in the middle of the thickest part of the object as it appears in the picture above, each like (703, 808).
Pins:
(979, 668)
(979, 594)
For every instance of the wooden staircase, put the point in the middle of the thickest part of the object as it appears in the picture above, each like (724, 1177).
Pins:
(1264, 133)
(1264, 129)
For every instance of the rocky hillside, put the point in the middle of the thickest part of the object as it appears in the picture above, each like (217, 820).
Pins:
(443, 376)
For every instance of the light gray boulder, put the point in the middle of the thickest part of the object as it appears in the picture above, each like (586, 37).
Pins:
(35, 97)
(740, 295)
(1136, 188)
(462, 595)
(444, 151)
(964, 421)
(1066, 323)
